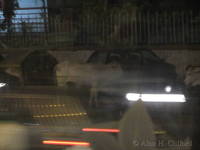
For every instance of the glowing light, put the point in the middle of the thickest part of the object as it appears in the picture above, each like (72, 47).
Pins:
(133, 96)
(163, 98)
(2, 85)
(61, 115)
(168, 89)
(100, 130)
(66, 143)
(113, 130)
(180, 98)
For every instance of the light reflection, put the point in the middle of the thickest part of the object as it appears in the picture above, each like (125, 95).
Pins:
(180, 98)
(2, 85)
(100, 130)
(60, 115)
(113, 130)
(168, 89)
(66, 143)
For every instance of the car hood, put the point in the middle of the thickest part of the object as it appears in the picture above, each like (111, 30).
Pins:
(140, 81)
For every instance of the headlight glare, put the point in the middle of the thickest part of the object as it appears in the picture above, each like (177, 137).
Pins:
(180, 98)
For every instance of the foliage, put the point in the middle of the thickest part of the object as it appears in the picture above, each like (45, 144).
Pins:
(109, 18)
(8, 12)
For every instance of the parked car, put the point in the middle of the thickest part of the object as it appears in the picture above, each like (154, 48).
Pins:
(118, 78)
(120, 72)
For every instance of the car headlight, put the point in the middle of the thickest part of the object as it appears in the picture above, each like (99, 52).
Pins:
(180, 98)
(133, 96)
(2, 85)
(168, 89)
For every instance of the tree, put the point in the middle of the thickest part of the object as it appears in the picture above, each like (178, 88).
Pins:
(8, 7)
(102, 13)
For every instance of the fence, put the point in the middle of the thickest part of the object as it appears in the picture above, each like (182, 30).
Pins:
(113, 30)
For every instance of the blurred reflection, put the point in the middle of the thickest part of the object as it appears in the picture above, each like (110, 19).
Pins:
(102, 110)
(13, 136)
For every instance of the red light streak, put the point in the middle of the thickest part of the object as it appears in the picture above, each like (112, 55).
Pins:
(100, 130)
(66, 143)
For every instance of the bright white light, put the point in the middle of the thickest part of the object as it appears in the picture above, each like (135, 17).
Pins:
(2, 85)
(168, 89)
(133, 96)
(180, 98)
(163, 98)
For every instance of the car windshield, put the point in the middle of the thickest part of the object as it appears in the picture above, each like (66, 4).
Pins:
(99, 74)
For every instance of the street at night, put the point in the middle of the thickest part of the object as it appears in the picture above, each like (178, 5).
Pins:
(99, 75)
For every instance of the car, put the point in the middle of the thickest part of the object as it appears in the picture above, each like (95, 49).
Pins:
(118, 78)
(122, 72)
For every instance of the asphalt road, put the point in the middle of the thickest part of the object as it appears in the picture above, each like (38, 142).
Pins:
(49, 106)
(58, 112)
(52, 107)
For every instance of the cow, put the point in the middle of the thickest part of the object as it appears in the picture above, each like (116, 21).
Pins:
(16, 72)
(97, 76)
(192, 75)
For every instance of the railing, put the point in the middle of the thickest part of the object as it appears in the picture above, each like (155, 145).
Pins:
(113, 30)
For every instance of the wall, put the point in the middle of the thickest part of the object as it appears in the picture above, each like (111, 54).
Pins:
(180, 58)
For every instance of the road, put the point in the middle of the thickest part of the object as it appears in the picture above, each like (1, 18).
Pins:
(49, 106)
(58, 112)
